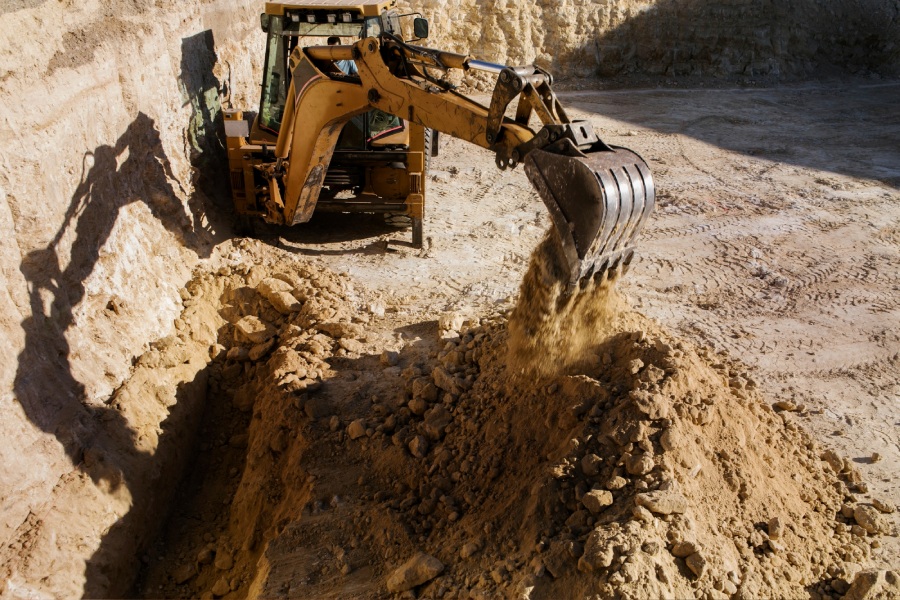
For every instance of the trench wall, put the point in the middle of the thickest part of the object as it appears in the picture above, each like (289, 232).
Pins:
(109, 120)
(108, 183)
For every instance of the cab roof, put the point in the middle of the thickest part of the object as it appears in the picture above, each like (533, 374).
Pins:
(367, 8)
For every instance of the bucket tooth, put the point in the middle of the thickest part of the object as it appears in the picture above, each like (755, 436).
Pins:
(599, 201)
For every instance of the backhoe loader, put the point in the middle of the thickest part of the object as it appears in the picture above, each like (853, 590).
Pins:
(350, 127)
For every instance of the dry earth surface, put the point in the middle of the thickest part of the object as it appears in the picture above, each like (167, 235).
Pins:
(747, 379)
(775, 244)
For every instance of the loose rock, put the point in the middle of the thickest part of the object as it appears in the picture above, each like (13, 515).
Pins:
(598, 552)
(424, 389)
(418, 406)
(416, 571)
(684, 549)
(254, 330)
(874, 585)
(468, 550)
(696, 563)
(616, 483)
(390, 358)
(590, 465)
(776, 528)
(596, 500)
(436, 420)
(279, 295)
(356, 429)
(640, 464)
(834, 459)
(662, 502)
(183, 573)
(869, 518)
(224, 561)
(221, 587)
(418, 447)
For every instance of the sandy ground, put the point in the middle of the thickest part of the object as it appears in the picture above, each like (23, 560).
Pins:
(776, 239)
(774, 251)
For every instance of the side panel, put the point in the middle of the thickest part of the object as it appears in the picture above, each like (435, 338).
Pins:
(242, 188)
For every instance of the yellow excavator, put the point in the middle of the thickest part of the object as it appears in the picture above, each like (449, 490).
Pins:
(349, 125)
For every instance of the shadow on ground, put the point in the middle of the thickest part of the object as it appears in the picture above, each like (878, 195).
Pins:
(330, 234)
(698, 43)
(798, 125)
(752, 38)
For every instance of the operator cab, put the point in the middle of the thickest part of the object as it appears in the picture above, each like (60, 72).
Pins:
(311, 23)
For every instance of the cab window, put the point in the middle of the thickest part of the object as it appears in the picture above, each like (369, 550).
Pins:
(275, 77)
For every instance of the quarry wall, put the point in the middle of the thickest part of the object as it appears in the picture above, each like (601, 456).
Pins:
(110, 123)
(721, 38)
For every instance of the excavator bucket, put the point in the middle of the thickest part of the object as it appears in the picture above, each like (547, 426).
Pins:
(599, 200)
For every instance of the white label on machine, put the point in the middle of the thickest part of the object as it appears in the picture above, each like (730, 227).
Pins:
(237, 128)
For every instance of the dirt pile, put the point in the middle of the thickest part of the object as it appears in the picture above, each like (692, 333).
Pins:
(332, 469)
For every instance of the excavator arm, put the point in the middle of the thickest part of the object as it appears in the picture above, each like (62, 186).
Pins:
(598, 196)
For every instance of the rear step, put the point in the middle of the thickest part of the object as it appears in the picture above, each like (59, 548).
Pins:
(599, 201)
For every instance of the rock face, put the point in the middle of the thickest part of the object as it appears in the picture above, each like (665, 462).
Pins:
(102, 217)
(672, 37)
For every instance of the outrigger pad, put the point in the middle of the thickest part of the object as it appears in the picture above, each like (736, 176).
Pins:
(598, 200)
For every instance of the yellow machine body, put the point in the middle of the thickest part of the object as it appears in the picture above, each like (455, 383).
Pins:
(349, 125)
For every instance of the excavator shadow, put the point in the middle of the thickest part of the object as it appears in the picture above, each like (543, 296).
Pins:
(335, 234)
(50, 388)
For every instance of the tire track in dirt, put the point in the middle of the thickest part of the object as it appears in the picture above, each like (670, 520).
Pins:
(793, 268)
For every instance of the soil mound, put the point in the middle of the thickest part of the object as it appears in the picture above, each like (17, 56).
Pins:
(651, 468)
